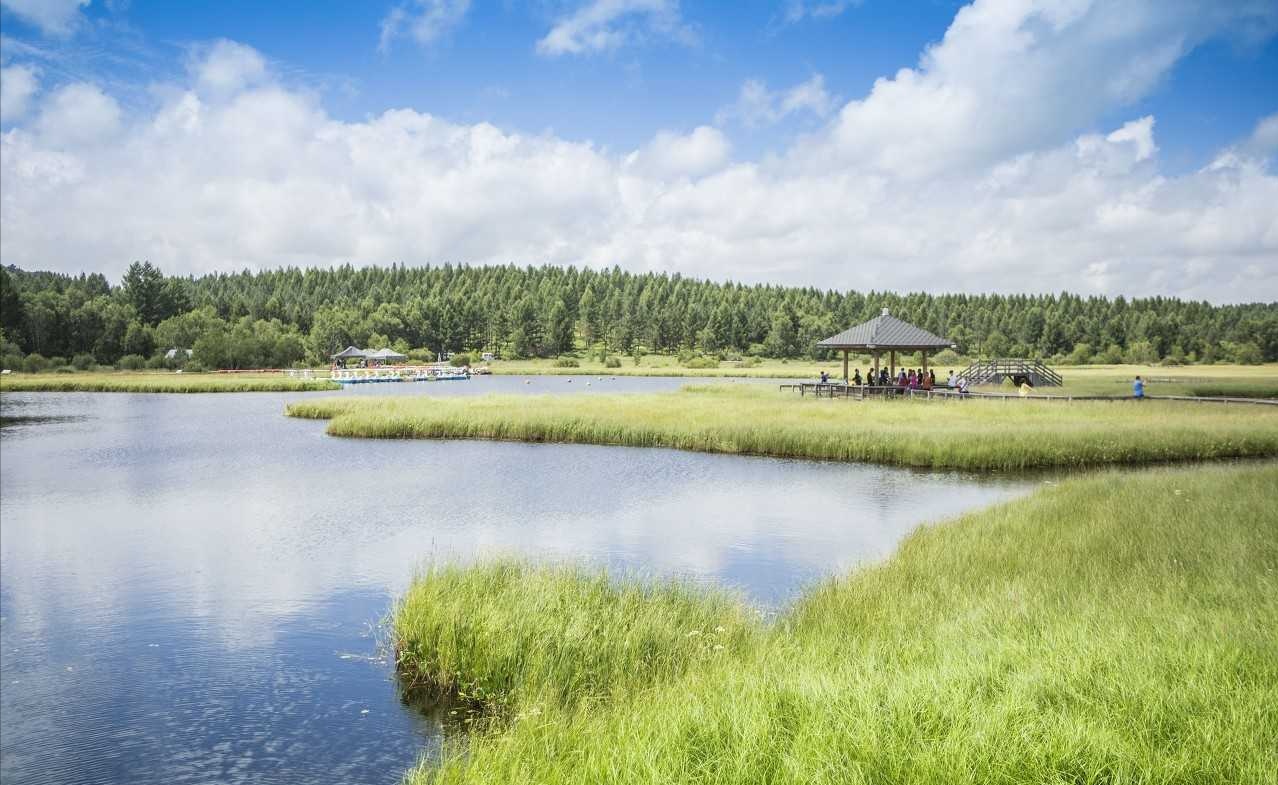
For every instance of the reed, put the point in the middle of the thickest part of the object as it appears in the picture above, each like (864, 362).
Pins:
(758, 420)
(160, 383)
(1120, 628)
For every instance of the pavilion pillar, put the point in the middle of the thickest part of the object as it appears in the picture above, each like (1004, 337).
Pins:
(925, 361)
(893, 366)
(876, 367)
(845, 366)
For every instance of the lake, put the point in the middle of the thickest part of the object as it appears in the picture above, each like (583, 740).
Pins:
(191, 586)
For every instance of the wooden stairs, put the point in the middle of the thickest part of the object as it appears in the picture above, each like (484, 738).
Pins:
(1017, 369)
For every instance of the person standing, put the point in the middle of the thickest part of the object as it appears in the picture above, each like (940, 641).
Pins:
(1138, 389)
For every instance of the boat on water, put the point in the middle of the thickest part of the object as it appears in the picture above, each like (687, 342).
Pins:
(376, 366)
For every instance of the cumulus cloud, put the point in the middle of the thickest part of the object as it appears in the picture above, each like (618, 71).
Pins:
(53, 17)
(225, 67)
(78, 115)
(261, 175)
(601, 25)
(756, 105)
(671, 155)
(17, 84)
(1012, 76)
(425, 21)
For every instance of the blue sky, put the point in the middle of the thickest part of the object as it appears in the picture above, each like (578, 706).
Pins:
(665, 109)
(487, 67)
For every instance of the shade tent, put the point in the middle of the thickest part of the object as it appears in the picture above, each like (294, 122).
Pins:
(386, 354)
(885, 333)
(350, 353)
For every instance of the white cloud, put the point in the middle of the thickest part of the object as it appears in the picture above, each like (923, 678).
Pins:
(17, 84)
(1015, 76)
(798, 10)
(602, 25)
(425, 21)
(262, 176)
(671, 155)
(53, 17)
(756, 105)
(225, 67)
(78, 115)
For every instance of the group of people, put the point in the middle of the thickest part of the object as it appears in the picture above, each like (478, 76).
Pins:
(911, 379)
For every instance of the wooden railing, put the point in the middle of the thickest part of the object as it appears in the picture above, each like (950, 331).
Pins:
(993, 371)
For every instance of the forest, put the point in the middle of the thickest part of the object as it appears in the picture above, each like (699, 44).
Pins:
(294, 316)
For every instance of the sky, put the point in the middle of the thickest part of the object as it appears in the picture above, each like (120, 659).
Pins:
(1096, 146)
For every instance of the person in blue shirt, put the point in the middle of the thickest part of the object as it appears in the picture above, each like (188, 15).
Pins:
(1138, 388)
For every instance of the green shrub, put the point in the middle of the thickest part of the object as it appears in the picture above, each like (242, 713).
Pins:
(57, 362)
(567, 362)
(192, 366)
(35, 363)
(462, 359)
(131, 362)
(157, 362)
(1247, 353)
(612, 362)
(83, 362)
(64, 369)
(701, 362)
(12, 361)
(944, 357)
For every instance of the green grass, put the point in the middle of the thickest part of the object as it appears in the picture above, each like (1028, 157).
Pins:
(160, 382)
(1214, 381)
(758, 420)
(1120, 628)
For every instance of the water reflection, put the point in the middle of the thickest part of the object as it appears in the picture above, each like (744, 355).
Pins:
(190, 585)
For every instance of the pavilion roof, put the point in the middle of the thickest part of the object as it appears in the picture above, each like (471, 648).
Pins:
(385, 354)
(885, 332)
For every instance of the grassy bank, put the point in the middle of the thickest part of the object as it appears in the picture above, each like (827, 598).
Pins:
(1114, 380)
(1113, 629)
(159, 382)
(758, 420)
(1213, 381)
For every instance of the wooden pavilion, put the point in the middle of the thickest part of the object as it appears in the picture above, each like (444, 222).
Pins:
(885, 333)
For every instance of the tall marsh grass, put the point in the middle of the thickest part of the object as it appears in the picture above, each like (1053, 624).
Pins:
(757, 420)
(1120, 628)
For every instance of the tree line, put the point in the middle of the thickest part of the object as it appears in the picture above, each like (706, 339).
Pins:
(291, 316)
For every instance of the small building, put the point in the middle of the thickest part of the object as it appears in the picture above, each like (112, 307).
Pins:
(172, 354)
(885, 333)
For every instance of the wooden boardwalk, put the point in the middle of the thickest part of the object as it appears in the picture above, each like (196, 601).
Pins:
(863, 392)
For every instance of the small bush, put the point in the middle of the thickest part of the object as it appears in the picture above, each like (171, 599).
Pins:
(83, 362)
(131, 362)
(750, 362)
(612, 362)
(567, 362)
(701, 362)
(462, 359)
(757, 350)
(193, 366)
(57, 362)
(64, 369)
(944, 357)
(157, 362)
(35, 363)
(12, 361)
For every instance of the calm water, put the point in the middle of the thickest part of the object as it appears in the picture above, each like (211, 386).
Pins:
(191, 585)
